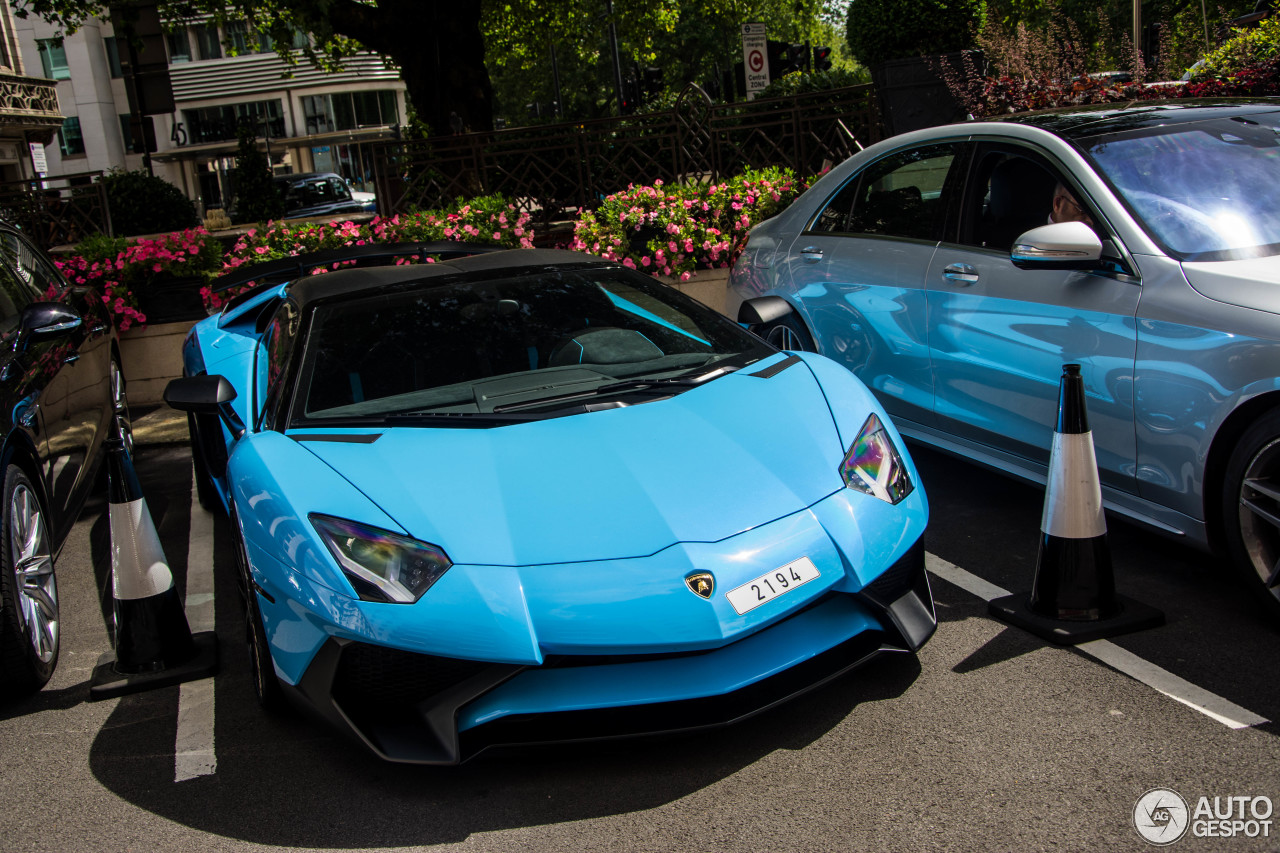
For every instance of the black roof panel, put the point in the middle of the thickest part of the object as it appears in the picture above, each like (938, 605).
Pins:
(1095, 119)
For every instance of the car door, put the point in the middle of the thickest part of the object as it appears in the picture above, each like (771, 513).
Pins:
(999, 335)
(858, 271)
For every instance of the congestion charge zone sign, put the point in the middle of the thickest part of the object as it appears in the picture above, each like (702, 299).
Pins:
(755, 57)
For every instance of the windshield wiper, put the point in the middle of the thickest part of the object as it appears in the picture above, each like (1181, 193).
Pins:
(627, 386)
(457, 419)
(684, 379)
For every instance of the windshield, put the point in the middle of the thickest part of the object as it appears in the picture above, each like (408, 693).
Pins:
(547, 341)
(1205, 190)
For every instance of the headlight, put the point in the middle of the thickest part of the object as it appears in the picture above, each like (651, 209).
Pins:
(382, 566)
(873, 465)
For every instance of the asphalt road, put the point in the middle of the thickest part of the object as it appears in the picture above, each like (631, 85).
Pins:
(990, 740)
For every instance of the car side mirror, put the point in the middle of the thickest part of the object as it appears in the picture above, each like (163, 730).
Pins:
(42, 321)
(1058, 246)
(205, 395)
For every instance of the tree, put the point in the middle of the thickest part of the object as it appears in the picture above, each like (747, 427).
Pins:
(437, 44)
(256, 197)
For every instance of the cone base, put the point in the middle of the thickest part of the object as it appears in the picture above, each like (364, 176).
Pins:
(1133, 616)
(107, 683)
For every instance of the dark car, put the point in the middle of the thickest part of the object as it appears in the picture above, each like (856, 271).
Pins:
(60, 388)
(320, 194)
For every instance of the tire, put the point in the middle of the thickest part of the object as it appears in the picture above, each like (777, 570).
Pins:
(206, 491)
(1251, 509)
(266, 685)
(29, 614)
(788, 333)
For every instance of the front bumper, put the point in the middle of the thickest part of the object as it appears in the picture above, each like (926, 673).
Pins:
(426, 709)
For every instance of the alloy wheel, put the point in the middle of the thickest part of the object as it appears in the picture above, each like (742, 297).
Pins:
(1260, 515)
(37, 585)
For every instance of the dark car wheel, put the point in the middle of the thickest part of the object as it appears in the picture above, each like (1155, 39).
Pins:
(1251, 509)
(29, 616)
(266, 685)
(206, 491)
(788, 333)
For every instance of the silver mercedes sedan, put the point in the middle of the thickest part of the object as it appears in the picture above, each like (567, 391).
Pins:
(956, 269)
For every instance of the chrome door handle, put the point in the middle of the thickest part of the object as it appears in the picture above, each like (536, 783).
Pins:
(960, 274)
(71, 358)
(811, 254)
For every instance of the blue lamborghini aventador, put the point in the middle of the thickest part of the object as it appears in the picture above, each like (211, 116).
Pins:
(532, 496)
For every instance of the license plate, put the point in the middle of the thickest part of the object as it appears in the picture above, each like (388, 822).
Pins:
(770, 585)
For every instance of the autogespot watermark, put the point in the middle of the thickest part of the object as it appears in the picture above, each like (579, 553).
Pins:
(1162, 816)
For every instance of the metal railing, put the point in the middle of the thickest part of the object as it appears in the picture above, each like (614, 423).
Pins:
(59, 209)
(549, 170)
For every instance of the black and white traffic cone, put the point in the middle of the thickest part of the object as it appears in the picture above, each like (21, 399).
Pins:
(1073, 595)
(154, 643)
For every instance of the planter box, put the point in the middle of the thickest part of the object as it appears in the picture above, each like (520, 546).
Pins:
(152, 355)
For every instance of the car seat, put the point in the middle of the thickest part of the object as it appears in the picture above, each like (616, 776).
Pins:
(1021, 197)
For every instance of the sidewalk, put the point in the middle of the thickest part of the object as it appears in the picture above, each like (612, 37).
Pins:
(158, 424)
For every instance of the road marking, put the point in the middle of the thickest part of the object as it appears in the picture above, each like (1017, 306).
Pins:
(193, 752)
(1161, 680)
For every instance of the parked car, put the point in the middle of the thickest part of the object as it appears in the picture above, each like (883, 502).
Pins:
(320, 194)
(60, 389)
(537, 496)
(929, 266)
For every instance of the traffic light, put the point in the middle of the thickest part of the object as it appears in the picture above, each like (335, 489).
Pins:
(652, 82)
(822, 59)
(796, 56)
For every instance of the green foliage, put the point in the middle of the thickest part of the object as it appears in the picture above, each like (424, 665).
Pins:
(256, 197)
(1244, 49)
(144, 204)
(821, 81)
(883, 30)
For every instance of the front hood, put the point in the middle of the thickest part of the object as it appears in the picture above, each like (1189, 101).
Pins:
(1252, 283)
(713, 461)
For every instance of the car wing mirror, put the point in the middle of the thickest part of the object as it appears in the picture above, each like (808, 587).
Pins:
(1057, 246)
(42, 321)
(205, 395)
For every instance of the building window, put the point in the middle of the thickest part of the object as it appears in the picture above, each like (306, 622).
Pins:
(350, 110)
(179, 46)
(207, 44)
(219, 124)
(238, 38)
(53, 59)
(113, 56)
(69, 137)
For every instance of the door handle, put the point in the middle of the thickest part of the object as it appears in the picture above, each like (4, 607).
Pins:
(962, 274)
(73, 357)
(811, 254)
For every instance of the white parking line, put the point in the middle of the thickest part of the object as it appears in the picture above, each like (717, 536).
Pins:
(1161, 680)
(193, 751)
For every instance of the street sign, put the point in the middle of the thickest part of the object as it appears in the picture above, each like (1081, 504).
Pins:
(755, 57)
(38, 161)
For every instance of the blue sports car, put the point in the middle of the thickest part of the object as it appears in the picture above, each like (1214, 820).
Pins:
(534, 496)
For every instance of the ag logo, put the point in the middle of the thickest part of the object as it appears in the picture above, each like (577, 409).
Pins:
(1160, 816)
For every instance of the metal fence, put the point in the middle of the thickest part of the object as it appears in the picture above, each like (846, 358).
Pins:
(57, 210)
(550, 170)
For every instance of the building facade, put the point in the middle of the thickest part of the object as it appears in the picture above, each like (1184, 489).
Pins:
(307, 119)
(28, 107)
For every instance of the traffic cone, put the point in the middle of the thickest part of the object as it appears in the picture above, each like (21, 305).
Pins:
(154, 644)
(1073, 595)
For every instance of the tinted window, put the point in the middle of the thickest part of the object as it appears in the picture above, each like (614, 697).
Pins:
(1204, 191)
(899, 196)
(469, 348)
